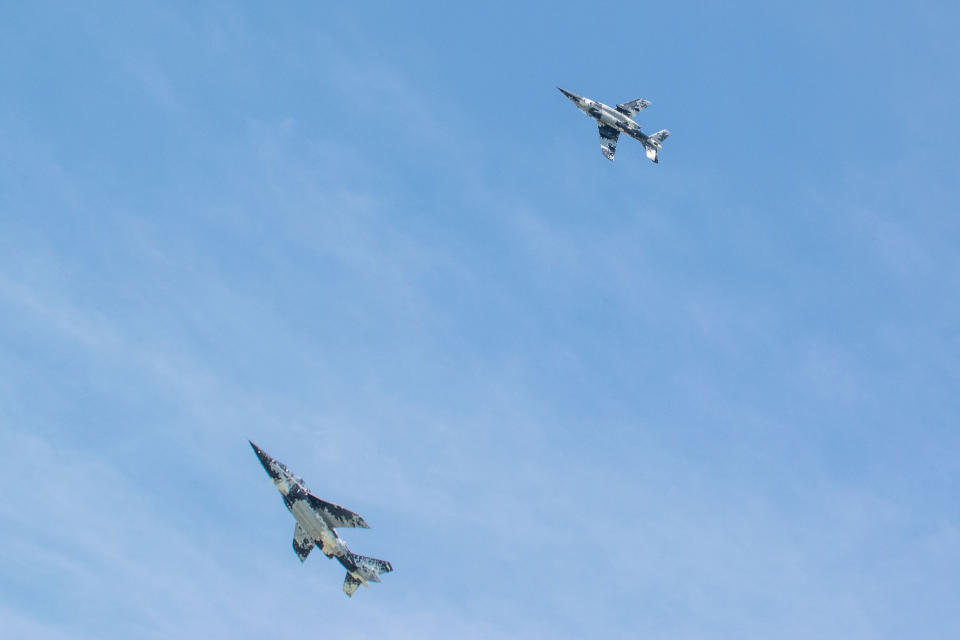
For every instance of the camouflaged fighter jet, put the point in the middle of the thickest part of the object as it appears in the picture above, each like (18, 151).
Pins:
(316, 521)
(616, 120)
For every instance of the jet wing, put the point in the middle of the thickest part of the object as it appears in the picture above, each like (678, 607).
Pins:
(608, 141)
(633, 107)
(335, 515)
(302, 543)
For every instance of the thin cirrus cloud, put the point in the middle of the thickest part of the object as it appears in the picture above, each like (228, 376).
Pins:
(688, 405)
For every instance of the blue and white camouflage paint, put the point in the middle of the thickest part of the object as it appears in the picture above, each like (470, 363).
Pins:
(316, 523)
(613, 121)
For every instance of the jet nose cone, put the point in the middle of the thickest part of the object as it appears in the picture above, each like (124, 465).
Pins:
(265, 459)
(569, 94)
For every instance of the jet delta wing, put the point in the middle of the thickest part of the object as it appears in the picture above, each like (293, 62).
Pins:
(317, 521)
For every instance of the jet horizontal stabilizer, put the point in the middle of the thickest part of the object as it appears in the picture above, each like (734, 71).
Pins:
(660, 136)
(380, 566)
(350, 585)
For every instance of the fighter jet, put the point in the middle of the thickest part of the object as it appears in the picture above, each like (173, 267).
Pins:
(316, 521)
(616, 120)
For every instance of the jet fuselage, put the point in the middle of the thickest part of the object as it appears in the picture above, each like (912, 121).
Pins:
(605, 114)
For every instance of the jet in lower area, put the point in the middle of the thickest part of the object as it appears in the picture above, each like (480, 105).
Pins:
(616, 120)
(316, 524)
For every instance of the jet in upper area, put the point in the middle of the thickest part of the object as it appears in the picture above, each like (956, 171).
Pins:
(616, 120)
(316, 521)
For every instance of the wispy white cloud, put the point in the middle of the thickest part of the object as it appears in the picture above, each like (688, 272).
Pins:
(560, 423)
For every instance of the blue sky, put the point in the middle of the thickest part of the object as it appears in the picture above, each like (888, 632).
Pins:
(715, 397)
